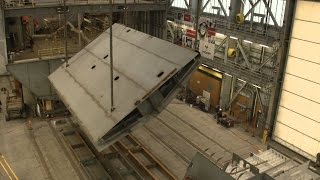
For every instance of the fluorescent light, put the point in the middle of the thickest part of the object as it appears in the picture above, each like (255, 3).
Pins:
(233, 37)
(242, 80)
(219, 34)
(216, 69)
(264, 46)
(256, 86)
(227, 74)
(247, 41)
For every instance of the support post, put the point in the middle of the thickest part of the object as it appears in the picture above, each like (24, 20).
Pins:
(196, 10)
(79, 29)
(282, 60)
(226, 49)
(237, 93)
(65, 33)
(245, 57)
(111, 60)
(226, 88)
(235, 8)
(3, 45)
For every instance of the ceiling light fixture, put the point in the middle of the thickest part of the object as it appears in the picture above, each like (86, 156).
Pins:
(232, 37)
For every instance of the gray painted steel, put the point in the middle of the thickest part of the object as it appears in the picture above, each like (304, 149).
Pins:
(51, 9)
(34, 75)
(3, 46)
(201, 167)
(148, 73)
(267, 165)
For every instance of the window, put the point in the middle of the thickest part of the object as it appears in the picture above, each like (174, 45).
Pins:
(179, 4)
(210, 8)
(277, 8)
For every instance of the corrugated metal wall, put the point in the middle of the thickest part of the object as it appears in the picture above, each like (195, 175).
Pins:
(298, 120)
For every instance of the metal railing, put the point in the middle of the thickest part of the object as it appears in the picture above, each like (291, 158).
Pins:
(51, 52)
(35, 3)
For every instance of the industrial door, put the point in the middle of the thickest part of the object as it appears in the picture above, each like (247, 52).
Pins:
(297, 123)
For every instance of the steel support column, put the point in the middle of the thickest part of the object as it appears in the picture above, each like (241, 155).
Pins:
(221, 44)
(205, 5)
(196, 8)
(80, 18)
(245, 57)
(3, 46)
(164, 22)
(281, 64)
(171, 32)
(252, 8)
(236, 94)
(226, 88)
(270, 13)
(225, 59)
(222, 8)
(235, 8)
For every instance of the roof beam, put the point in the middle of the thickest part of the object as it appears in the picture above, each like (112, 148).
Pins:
(244, 55)
(271, 14)
(223, 9)
(252, 8)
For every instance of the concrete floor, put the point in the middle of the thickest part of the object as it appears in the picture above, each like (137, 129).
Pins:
(180, 131)
(173, 137)
(32, 154)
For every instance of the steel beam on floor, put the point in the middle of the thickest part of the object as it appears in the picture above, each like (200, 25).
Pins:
(87, 8)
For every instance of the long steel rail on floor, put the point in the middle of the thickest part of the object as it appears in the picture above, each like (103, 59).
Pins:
(125, 158)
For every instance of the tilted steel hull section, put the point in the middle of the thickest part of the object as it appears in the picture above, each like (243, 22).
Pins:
(148, 72)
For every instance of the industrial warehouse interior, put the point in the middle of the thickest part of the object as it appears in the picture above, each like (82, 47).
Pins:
(159, 89)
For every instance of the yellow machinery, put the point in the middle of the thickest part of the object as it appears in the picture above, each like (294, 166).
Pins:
(240, 18)
(231, 52)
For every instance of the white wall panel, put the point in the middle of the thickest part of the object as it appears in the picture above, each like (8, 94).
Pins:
(297, 123)
(296, 141)
(308, 11)
(301, 105)
(305, 30)
(305, 50)
(303, 69)
(302, 87)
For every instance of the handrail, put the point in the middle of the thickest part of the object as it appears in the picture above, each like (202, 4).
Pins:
(35, 3)
(55, 51)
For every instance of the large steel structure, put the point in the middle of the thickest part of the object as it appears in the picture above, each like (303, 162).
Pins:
(260, 41)
(148, 73)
